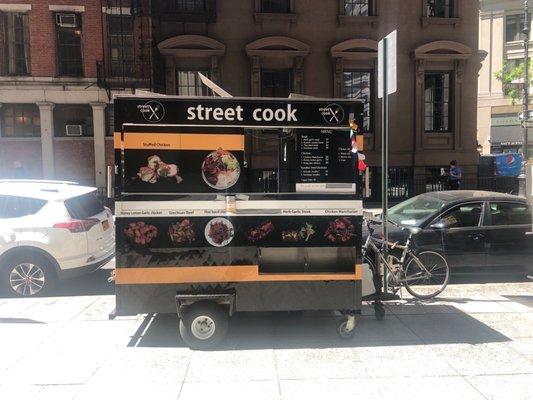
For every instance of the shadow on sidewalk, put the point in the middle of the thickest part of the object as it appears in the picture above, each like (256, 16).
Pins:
(318, 330)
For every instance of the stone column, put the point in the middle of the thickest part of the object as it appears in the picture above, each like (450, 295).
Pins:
(47, 138)
(99, 143)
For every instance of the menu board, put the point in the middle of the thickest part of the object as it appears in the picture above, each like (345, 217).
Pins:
(324, 157)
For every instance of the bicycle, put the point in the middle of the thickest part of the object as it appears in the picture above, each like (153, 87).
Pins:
(424, 275)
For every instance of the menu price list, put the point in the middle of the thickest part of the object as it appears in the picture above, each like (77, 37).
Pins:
(324, 157)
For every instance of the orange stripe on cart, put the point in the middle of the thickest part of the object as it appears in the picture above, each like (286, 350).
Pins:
(241, 273)
(180, 141)
(116, 140)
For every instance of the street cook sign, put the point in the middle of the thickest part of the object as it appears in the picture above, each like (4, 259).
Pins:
(276, 113)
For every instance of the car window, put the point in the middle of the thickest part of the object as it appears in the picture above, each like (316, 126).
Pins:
(415, 210)
(15, 206)
(509, 214)
(84, 206)
(463, 216)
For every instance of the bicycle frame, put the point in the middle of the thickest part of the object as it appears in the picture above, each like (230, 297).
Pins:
(407, 253)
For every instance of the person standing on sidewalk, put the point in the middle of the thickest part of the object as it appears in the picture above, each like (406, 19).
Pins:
(455, 176)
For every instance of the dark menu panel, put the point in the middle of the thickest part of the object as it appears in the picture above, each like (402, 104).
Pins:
(324, 156)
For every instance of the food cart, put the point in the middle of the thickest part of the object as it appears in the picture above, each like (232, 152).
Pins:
(195, 234)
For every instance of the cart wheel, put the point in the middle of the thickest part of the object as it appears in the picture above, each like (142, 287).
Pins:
(344, 332)
(203, 325)
(379, 310)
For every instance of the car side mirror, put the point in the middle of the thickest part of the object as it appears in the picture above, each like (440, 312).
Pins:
(439, 225)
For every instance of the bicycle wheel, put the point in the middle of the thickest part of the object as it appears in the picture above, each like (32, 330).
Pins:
(426, 285)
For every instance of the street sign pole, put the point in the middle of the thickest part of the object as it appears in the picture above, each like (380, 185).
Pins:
(387, 84)
(385, 161)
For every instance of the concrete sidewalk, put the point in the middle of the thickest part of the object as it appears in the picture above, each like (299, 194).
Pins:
(476, 342)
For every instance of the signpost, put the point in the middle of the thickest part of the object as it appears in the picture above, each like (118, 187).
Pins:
(387, 85)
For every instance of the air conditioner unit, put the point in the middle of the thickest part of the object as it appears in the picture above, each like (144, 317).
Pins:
(66, 20)
(74, 130)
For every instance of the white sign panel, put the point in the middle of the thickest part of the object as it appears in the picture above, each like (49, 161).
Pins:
(390, 56)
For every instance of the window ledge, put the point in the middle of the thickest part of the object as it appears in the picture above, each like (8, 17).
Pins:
(440, 21)
(358, 20)
(71, 138)
(267, 17)
(20, 139)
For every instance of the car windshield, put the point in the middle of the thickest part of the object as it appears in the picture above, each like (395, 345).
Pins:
(416, 210)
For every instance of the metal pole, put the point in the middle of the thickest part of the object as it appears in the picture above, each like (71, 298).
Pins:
(525, 102)
(385, 161)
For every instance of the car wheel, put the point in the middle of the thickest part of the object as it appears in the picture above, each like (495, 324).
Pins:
(27, 276)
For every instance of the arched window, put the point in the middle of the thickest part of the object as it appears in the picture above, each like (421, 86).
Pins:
(277, 66)
(439, 72)
(186, 55)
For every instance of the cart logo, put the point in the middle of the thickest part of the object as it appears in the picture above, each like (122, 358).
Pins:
(332, 114)
(152, 111)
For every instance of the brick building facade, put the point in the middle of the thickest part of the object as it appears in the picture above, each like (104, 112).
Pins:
(251, 48)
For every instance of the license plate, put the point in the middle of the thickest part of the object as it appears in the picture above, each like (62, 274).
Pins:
(105, 225)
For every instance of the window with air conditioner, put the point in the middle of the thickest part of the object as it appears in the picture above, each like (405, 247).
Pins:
(66, 20)
(73, 130)
(69, 54)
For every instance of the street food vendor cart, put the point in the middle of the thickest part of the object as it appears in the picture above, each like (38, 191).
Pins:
(195, 234)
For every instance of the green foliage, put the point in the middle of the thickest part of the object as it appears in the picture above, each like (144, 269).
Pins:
(509, 75)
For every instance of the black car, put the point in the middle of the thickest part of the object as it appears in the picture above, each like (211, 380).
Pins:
(470, 228)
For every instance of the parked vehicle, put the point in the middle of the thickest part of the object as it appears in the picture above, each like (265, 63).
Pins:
(50, 231)
(471, 229)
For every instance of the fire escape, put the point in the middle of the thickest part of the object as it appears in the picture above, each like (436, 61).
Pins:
(127, 63)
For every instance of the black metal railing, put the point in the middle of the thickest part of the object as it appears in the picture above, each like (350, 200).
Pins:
(402, 185)
(121, 75)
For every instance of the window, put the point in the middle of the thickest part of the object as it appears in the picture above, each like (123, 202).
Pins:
(355, 8)
(16, 207)
(189, 6)
(69, 59)
(358, 85)
(20, 120)
(84, 206)
(189, 84)
(16, 47)
(464, 216)
(276, 82)
(510, 214)
(121, 45)
(73, 120)
(514, 25)
(440, 8)
(275, 6)
(437, 101)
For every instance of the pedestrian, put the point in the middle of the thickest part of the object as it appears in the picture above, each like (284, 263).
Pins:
(455, 175)
(19, 172)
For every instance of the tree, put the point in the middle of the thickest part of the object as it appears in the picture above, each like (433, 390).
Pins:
(512, 76)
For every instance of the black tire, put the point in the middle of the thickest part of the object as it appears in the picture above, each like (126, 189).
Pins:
(343, 333)
(36, 265)
(434, 262)
(202, 314)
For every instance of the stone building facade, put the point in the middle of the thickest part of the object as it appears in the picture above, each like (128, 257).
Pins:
(260, 48)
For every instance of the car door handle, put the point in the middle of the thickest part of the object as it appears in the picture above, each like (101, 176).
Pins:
(476, 236)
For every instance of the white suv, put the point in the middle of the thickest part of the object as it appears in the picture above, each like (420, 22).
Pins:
(49, 231)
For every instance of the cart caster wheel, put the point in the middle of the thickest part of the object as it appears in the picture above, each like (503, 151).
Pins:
(203, 325)
(344, 332)
(379, 311)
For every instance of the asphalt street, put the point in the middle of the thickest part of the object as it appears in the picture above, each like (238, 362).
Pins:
(474, 342)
